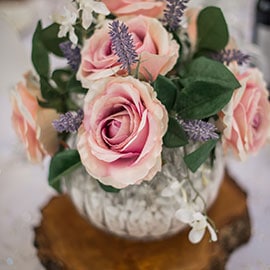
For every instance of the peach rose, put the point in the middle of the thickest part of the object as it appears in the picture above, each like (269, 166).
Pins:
(192, 15)
(151, 8)
(32, 123)
(247, 116)
(120, 140)
(157, 51)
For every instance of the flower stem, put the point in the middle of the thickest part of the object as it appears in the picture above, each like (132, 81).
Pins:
(197, 193)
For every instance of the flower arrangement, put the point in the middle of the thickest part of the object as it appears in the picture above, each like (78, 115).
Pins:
(141, 76)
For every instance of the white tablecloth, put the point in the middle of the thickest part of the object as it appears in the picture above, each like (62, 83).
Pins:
(24, 189)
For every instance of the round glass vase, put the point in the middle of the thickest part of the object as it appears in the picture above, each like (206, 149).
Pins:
(147, 211)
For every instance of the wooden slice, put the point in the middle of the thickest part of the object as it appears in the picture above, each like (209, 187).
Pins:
(66, 241)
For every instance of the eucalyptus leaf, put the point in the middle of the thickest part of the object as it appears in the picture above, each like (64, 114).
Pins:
(81, 33)
(50, 39)
(61, 78)
(199, 100)
(211, 71)
(175, 135)
(62, 164)
(166, 91)
(108, 188)
(56, 103)
(195, 159)
(207, 87)
(75, 86)
(39, 54)
(212, 29)
(47, 90)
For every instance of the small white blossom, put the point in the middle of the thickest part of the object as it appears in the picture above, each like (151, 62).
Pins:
(88, 7)
(67, 20)
(198, 222)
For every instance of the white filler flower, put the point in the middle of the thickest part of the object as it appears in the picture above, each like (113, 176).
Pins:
(198, 222)
(66, 20)
(88, 7)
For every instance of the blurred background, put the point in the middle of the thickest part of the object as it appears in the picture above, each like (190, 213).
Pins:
(23, 187)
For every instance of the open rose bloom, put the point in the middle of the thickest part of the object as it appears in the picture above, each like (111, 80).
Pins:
(247, 116)
(120, 140)
(32, 123)
(157, 51)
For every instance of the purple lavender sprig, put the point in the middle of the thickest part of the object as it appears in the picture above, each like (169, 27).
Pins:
(73, 55)
(122, 45)
(230, 55)
(68, 122)
(199, 131)
(173, 13)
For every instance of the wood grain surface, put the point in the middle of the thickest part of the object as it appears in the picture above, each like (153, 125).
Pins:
(66, 241)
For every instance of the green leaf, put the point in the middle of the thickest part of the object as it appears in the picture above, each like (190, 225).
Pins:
(56, 103)
(166, 91)
(108, 188)
(200, 100)
(81, 33)
(50, 39)
(62, 164)
(208, 87)
(71, 105)
(212, 29)
(75, 86)
(175, 135)
(207, 70)
(195, 159)
(47, 91)
(40, 57)
(61, 78)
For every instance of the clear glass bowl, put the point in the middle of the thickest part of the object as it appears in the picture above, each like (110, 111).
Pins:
(146, 211)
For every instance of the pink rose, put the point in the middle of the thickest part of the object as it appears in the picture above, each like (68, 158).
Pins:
(157, 51)
(33, 123)
(151, 8)
(120, 140)
(247, 116)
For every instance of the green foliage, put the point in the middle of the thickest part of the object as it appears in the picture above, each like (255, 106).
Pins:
(108, 188)
(175, 135)
(166, 91)
(50, 39)
(40, 57)
(210, 71)
(61, 78)
(212, 29)
(56, 103)
(48, 92)
(62, 164)
(75, 86)
(207, 87)
(200, 100)
(195, 159)
(53, 96)
(55, 87)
